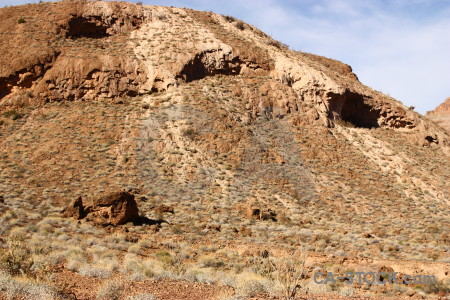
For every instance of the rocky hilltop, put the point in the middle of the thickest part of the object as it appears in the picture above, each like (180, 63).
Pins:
(441, 114)
(230, 143)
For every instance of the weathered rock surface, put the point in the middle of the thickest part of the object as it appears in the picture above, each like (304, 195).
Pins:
(75, 209)
(441, 115)
(115, 208)
(443, 108)
(108, 50)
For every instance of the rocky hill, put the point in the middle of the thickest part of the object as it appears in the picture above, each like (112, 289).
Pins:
(231, 143)
(441, 115)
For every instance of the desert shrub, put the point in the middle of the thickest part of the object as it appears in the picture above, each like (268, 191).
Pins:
(287, 272)
(438, 288)
(15, 289)
(17, 259)
(344, 123)
(161, 16)
(136, 249)
(240, 25)
(189, 133)
(20, 21)
(92, 271)
(12, 114)
(251, 284)
(149, 268)
(277, 44)
(110, 290)
(165, 257)
(210, 262)
(196, 274)
(235, 297)
(229, 19)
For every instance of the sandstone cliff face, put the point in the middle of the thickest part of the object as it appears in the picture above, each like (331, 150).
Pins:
(443, 108)
(208, 115)
(441, 115)
(99, 50)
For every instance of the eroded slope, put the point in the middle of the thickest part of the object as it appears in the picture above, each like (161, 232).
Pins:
(251, 145)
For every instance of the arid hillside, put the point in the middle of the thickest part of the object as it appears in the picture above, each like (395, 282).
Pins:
(235, 149)
(441, 115)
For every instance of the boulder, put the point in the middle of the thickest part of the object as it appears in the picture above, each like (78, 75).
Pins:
(256, 211)
(114, 208)
(75, 209)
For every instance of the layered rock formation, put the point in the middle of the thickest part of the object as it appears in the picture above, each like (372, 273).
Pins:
(99, 50)
(441, 114)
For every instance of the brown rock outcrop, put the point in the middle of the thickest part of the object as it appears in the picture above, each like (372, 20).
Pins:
(441, 114)
(443, 108)
(256, 211)
(108, 50)
(75, 209)
(115, 208)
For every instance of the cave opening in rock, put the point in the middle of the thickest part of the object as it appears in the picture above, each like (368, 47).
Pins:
(91, 27)
(198, 68)
(351, 108)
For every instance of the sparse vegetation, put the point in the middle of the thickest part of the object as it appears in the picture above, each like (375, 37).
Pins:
(12, 114)
(239, 25)
(231, 170)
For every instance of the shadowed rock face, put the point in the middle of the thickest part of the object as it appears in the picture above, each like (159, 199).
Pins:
(199, 68)
(87, 27)
(351, 107)
(75, 209)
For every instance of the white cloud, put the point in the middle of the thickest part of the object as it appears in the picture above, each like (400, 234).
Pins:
(390, 51)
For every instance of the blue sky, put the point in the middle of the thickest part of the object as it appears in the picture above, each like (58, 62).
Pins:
(399, 47)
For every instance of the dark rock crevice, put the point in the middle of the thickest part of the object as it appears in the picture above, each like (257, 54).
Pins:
(199, 67)
(89, 27)
(97, 27)
(352, 108)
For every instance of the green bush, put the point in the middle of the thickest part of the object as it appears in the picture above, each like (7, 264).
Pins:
(21, 21)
